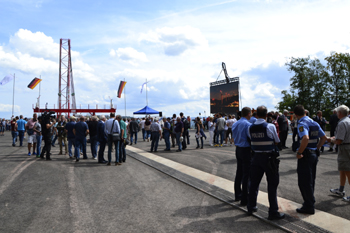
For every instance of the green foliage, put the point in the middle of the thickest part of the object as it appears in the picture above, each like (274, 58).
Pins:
(318, 87)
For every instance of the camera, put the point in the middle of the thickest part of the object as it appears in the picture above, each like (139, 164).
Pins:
(47, 115)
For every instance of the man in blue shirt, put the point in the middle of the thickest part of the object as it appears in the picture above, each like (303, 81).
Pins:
(243, 155)
(81, 130)
(309, 132)
(21, 129)
(70, 135)
(166, 131)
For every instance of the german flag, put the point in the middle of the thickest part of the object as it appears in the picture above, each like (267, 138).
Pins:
(121, 88)
(34, 82)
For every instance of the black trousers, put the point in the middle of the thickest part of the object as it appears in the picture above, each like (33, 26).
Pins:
(243, 156)
(101, 151)
(47, 147)
(306, 177)
(258, 168)
(283, 137)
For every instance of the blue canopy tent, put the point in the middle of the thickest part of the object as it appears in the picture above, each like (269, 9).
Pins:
(146, 111)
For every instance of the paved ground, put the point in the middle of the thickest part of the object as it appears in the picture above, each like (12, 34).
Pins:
(221, 162)
(64, 196)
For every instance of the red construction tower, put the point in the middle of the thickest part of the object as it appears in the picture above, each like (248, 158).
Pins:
(66, 93)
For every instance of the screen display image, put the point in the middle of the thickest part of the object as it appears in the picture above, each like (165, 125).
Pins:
(224, 98)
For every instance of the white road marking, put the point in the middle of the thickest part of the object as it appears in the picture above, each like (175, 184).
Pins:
(320, 218)
(15, 173)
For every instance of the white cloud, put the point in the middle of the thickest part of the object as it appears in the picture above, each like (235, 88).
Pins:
(129, 55)
(8, 108)
(176, 40)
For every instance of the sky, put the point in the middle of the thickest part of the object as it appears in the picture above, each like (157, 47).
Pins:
(178, 46)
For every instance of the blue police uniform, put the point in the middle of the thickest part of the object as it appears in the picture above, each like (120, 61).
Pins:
(243, 157)
(307, 164)
(263, 138)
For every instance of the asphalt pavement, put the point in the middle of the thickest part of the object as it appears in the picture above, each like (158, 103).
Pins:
(64, 196)
(221, 161)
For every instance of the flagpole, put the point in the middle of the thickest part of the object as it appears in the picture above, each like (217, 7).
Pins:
(125, 99)
(13, 95)
(146, 93)
(39, 93)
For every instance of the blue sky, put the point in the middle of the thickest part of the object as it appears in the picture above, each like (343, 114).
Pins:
(177, 45)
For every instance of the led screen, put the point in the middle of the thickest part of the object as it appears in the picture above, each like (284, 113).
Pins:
(224, 98)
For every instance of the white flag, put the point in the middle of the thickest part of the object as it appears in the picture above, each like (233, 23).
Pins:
(143, 85)
(8, 78)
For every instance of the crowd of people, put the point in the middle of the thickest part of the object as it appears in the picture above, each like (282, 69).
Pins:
(258, 138)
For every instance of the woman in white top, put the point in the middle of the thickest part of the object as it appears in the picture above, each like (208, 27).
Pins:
(211, 126)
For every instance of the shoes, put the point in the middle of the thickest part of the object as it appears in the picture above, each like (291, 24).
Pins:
(202, 147)
(284, 147)
(77, 160)
(347, 199)
(60, 153)
(178, 150)
(220, 145)
(337, 192)
(70, 157)
(38, 156)
(108, 164)
(276, 216)
(53, 145)
(244, 203)
(305, 211)
(34, 153)
(95, 158)
(197, 147)
(48, 159)
(330, 149)
(254, 209)
(211, 145)
(102, 162)
(29, 154)
(216, 145)
(13, 144)
(155, 151)
(237, 199)
(130, 144)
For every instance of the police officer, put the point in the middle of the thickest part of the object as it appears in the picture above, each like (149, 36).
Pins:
(309, 133)
(243, 155)
(264, 139)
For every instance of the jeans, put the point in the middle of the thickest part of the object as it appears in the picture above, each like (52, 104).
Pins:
(54, 138)
(101, 151)
(14, 137)
(306, 178)
(155, 140)
(132, 137)
(38, 144)
(167, 140)
(94, 146)
(122, 152)
(21, 136)
(148, 134)
(187, 136)
(221, 133)
(110, 144)
(71, 142)
(144, 136)
(80, 144)
(259, 166)
(243, 157)
(178, 135)
(197, 139)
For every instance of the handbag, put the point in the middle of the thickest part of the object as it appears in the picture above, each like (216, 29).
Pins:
(114, 136)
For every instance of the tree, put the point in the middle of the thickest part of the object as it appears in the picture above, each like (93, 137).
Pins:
(339, 82)
(287, 103)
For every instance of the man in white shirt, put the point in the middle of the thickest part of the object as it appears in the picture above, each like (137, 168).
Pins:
(112, 126)
(229, 124)
(142, 126)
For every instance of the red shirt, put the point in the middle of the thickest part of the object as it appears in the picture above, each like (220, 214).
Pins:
(13, 126)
